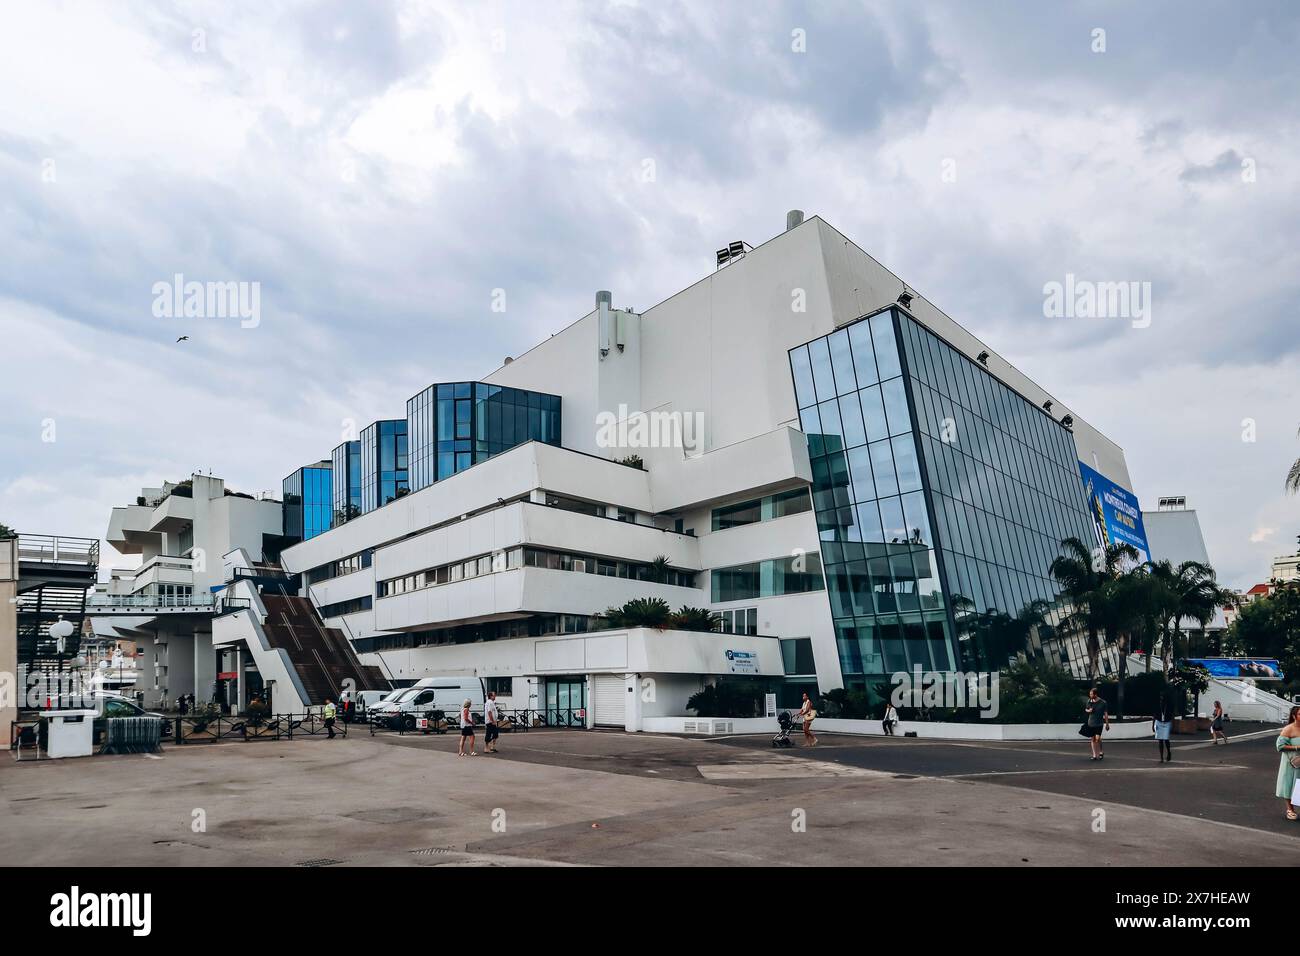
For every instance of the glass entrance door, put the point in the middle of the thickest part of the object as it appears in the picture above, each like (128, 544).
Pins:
(566, 702)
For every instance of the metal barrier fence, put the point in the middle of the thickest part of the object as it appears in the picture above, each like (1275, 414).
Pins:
(129, 735)
(204, 730)
(438, 722)
(132, 735)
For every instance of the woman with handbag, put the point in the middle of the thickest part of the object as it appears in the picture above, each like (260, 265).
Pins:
(1288, 744)
(1216, 724)
(806, 714)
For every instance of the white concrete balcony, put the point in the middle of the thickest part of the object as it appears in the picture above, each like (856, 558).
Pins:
(526, 523)
(771, 460)
(173, 514)
(508, 476)
(504, 594)
(162, 569)
(129, 529)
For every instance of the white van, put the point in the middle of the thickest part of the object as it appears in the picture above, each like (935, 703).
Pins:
(403, 708)
(367, 699)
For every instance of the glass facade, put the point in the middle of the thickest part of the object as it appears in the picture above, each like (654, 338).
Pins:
(455, 425)
(308, 501)
(346, 466)
(384, 474)
(927, 474)
(1004, 487)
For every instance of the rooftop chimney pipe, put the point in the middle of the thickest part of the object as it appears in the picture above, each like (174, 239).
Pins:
(793, 218)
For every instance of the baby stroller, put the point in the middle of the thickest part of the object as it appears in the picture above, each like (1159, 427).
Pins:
(786, 723)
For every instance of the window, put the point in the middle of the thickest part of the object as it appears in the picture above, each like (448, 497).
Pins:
(346, 607)
(778, 505)
(763, 579)
(797, 656)
(740, 620)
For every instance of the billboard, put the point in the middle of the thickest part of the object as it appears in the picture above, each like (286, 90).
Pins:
(1115, 512)
(1232, 668)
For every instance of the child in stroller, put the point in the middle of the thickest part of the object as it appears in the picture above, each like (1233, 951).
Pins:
(786, 723)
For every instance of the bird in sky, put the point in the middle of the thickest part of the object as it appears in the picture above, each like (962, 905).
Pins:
(183, 338)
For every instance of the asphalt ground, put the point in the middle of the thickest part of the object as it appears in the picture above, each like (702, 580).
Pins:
(610, 798)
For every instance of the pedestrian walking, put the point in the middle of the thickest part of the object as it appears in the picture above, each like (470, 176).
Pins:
(1162, 723)
(807, 714)
(180, 705)
(1288, 744)
(1216, 724)
(329, 717)
(466, 730)
(490, 729)
(891, 719)
(1098, 720)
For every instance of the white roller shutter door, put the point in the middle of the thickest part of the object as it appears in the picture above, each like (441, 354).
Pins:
(608, 700)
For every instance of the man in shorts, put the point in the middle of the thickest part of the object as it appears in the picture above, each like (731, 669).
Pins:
(490, 730)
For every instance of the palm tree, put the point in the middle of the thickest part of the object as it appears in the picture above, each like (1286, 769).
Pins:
(640, 612)
(658, 571)
(695, 619)
(1292, 483)
(1084, 581)
(1193, 594)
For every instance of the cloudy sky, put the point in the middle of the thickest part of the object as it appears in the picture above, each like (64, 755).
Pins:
(380, 168)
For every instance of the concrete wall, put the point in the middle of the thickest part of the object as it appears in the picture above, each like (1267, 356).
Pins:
(9, 689)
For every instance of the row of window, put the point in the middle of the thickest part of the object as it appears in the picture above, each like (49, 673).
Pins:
(763, 579)
(353, 562)
(761, 509)
(535, 558)
(540, 625)
(347, 607)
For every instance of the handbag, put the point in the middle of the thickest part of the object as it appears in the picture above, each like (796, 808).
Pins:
(1085, 730)
(1294, 757)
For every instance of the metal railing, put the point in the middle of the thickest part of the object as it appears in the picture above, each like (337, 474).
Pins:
(152, 600)
(57, 549)
(523, 719)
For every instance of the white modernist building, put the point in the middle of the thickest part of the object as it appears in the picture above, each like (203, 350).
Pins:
(166, 604)
(799, 442)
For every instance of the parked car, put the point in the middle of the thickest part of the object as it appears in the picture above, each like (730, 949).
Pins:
(110, 707)
(446, 694)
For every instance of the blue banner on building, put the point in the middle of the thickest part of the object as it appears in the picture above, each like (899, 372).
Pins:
(1116, 514)
(1260, 668)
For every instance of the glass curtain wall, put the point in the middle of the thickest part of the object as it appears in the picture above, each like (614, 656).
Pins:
(308, 502)
(941, 497)
(877, 539)
(346, 480)
(458, 424)
(1005, 490)
(384, 471)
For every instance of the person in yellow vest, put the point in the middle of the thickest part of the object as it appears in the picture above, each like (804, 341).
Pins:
(329, 717)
